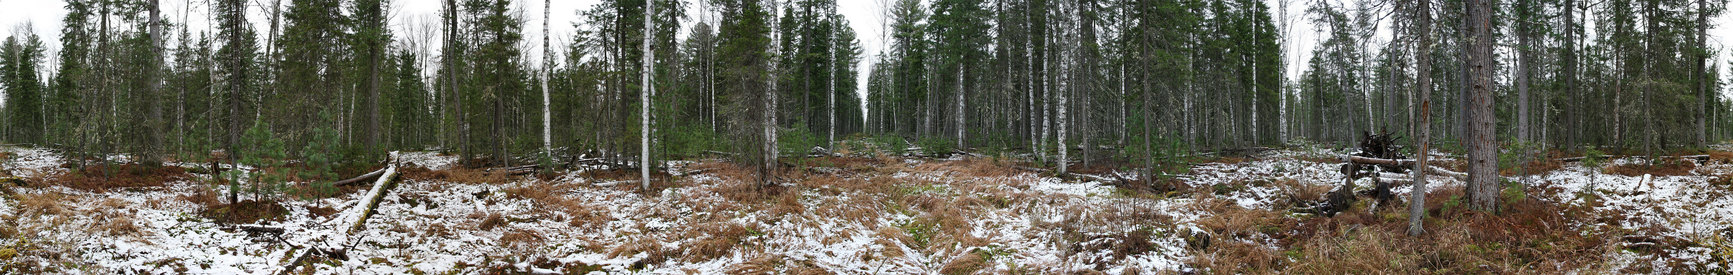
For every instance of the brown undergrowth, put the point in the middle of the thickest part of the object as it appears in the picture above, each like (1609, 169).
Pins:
(101, 178)
(1529, 235)
(1540, 165)
(455, 174)
(1664, 167)
(245, 212)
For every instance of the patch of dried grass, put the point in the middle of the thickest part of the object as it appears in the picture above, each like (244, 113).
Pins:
(45, 204)
(101, 178)
(455, 174)
(1531, 235)
(718, 240)
(654, 252)
(247, 211)
(1666, 167)
(492, 221)
(763, 264)
(968, 263)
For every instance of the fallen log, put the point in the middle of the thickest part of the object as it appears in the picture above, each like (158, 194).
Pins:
(15, 181)
(260, 229)
(714, 152)
(359, 179)
(519, 168)
(1404, 163)
(1096, 178)
(695, 172)
(1441, 171)
(374, 197)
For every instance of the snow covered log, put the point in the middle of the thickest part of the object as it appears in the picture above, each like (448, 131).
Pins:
(372, 200)
(373, 197)
(1404, 163)
(253, 228)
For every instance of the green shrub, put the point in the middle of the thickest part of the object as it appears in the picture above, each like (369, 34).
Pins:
(796, 141)
(933, 146)
(1592, 158)
(890, 144)
(687, 141)
(266, 153)
(1169, 154)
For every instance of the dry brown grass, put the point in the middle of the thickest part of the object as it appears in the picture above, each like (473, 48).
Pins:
(1530, 236)
(717, 240)
(1720, 156)
(763, 264)
(455, 174)
(970, 168)
(968, 263)
(247, 211)
(522, 239)
(654, 251)
(1539, 165)
(115, 224)
(492, 221)
(206, 197)
(45, 204)
(101, 178)
(1666, 167)
(1299, 192)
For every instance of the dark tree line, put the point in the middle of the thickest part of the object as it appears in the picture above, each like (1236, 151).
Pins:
(1039, 75)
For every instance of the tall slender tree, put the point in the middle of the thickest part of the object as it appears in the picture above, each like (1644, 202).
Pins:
(1423, 139)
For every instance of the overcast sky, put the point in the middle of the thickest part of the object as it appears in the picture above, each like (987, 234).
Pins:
(866, 16)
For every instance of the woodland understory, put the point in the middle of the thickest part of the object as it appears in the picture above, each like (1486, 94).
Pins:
(867, 211)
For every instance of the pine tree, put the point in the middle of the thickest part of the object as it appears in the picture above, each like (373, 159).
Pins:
(1483, 183)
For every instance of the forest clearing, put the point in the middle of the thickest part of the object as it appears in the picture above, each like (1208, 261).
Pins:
(866, 137)
(870, 212)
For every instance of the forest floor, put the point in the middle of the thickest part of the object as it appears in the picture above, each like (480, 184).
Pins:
(861, 214)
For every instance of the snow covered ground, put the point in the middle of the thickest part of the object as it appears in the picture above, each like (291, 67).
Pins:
(873, 217)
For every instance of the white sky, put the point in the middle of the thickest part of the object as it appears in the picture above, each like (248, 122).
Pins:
(866, 16)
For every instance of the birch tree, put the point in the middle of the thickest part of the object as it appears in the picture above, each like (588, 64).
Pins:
(649, 63)
(547, 72)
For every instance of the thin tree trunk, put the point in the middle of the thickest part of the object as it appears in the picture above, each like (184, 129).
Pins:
(1423, 80)
(960, 107)
(376, 50)
(830, 83)
(767, 168)
(1701, 75)
(154, 76)
(547, 71)
(644, 106)
(1523, 67)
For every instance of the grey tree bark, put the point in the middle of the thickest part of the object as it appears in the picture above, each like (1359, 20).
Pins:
(1483, 180)
(1422, 140)
(1703, 95)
